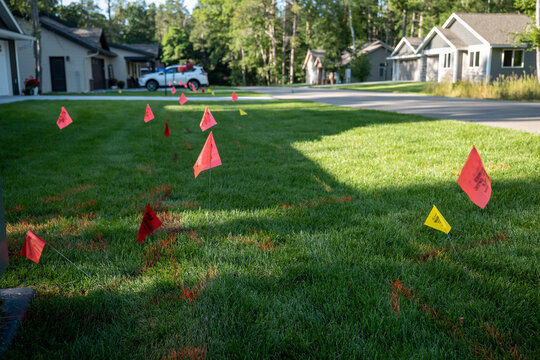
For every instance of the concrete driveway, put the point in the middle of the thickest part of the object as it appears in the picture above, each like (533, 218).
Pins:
(506, 114)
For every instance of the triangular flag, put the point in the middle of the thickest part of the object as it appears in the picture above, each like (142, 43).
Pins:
(203, 90)
(166, 132)
(234, 97)
(173, 90)
(193, 87)
(64, 119)
(183, 99)
(474, 180)
(436, 221)
(33, 246)
(180, 83)
(169, 84)
(150, 222)
(148, 115)
(209, 156)
(213, 93)
(209, 90)
(242, 112)
(207, 120)
(185, 85)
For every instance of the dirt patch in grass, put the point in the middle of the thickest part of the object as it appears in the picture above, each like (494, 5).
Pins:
(187, 353)
(435, 253)
(317, 202)
(257, 238)
(96, 244)
(191, 294)
(15, 209)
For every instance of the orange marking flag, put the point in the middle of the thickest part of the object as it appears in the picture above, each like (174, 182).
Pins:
(173, 90)
(64, 119)
(149, 115)
(208, 158)
(234, 97)
(166, 132)
(207, 120)
(150, 222)
(474, 180)
(33, 247)
(183, 99)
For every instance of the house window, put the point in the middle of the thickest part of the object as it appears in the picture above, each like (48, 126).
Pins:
(382, 67)
(512, 58)
(474, 59)
(447, 61)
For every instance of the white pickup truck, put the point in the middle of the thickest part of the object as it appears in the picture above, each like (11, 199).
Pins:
(196, 76)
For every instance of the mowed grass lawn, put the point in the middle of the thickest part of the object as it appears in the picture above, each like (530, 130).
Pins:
(167, 92)
(394, 87)
(315, 213)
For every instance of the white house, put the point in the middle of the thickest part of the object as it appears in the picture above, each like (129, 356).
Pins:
(11, 35)
(134, 60)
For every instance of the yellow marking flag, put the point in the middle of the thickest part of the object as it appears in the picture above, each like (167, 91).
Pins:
(436, 221)
(242, 112)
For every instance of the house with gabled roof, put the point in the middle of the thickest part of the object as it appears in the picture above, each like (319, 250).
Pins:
(10, 35)
(313, 65)
(405, 64)
(476, 47)
(134, 60)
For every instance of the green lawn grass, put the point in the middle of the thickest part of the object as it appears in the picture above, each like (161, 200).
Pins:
(166, 92)
(315, 212)
(394, 87)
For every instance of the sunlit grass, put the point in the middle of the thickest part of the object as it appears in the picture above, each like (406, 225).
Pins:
(315, 213)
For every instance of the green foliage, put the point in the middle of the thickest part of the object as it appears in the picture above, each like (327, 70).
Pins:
(360, 68)
(176, 46)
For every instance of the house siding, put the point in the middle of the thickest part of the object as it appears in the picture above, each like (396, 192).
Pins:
(432, 68)
(404, 50)
(464, 34)
(437, 43)
(408, 70)
(376, 58)
(476, 74)
(497, 70)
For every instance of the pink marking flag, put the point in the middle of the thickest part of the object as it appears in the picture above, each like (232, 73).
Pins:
(207, 120)
(149, 115)
(169, 84)
(183, 99)
(234, 97)
(208, 158)
(64, 119)
(150, 222)
(166, 132)
(173, 90)
(193, 87)
(474, 180)
(33, 247)
(185, 86)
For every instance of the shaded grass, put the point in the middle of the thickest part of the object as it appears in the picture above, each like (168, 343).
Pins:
(315, 212)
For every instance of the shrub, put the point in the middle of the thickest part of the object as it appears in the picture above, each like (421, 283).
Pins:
(121, 84)
(113, 81)
(360, 69)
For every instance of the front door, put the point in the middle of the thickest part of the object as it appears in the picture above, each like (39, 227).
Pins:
(98, 73)
(58, 74)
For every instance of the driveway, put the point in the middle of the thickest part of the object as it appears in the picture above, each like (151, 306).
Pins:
(506, 114)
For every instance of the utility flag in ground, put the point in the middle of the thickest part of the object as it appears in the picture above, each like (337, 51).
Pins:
(436, 221)
(169, 84)
(150, 222)
(242, 112)
(193, 87)
(234, 97)
(173, 90)
(202, 90)
(207, 120)
(183, 99)
(64, 119)
(33, 247)
(208, 158)
(166, 132)
(474, 180)
(148, 115)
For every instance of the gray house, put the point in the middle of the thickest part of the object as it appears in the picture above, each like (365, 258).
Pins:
(10, 35)
(405, 64)
(474, 47)
(134, 60)
(376, 51)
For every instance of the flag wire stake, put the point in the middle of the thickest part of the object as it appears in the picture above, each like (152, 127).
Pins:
(152, 143)
(209, 198)
(455, 250)
(72, 263)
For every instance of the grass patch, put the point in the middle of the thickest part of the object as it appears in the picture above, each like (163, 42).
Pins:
(393, 87)
(163, 92)
(315, 213)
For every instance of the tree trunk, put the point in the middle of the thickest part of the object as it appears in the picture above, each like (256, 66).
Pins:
(243, 67)
(352, 29)
(420, 24)
(271, 32)
(284, 43)
(110, 35)
(413, 19)
(37, 43)
(369, 21)
(404, 24)
(293, 46)
(538, 40)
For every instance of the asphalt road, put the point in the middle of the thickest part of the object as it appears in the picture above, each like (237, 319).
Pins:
(506, 114)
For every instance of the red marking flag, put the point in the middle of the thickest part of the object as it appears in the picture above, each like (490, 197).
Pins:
(183, 99)
(169, 84)
(33, 246)
(234, 97)
(207, 120)
(166, 132)
(149, 115)
(64, 119)
(474, 180)
(203, 90)
(173, 90)
(150, 222)
(208, 158)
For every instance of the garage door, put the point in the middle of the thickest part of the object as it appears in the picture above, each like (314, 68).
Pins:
(5, 78)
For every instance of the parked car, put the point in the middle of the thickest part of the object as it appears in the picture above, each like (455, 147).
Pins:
(196, 76)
